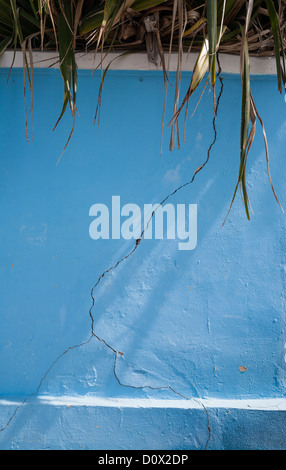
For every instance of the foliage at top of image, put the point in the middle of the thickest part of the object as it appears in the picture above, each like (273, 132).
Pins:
(158, 27)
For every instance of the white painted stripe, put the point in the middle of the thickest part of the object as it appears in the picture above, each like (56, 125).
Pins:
(138, 61)
(262, 404)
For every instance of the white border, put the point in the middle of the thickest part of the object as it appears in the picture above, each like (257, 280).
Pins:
(260, 404)
(138, 61)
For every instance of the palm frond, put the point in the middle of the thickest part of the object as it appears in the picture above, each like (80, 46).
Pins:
(160, 27)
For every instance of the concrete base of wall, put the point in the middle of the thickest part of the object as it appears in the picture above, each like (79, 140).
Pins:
(85, 423)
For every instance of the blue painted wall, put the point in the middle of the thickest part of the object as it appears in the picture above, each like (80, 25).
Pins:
(186, 320)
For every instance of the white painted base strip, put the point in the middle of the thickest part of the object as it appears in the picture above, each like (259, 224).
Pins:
(263, 404)
(138, 61)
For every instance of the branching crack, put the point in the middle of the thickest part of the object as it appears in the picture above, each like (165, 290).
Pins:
(113, 267)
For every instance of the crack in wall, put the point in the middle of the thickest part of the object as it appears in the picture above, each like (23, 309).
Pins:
(32, 395)
(113, 267)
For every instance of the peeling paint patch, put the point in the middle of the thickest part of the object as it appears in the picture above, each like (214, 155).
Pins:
(35, 235)
(173, 176)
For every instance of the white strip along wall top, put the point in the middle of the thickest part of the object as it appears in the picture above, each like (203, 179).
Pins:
(138, 61)
(259, 404)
